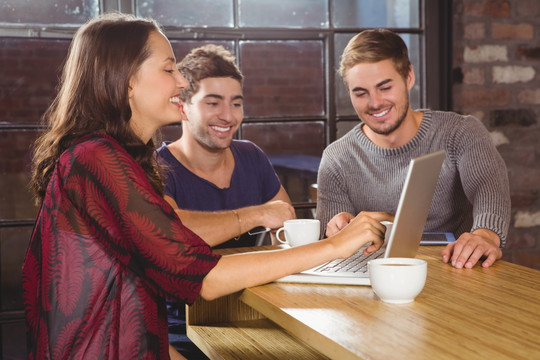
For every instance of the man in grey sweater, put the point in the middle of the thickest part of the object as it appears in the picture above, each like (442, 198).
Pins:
(365, 170)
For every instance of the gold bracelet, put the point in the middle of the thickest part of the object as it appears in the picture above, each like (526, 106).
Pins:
(239, 224)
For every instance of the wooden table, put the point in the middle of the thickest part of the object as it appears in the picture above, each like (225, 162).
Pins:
(475, 313)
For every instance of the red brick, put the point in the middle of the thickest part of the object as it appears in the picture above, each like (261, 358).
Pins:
(512, 31)
(475, 31)
(485, 53)
(528, 53)
(491, 8)
(512, 117)
(529, 96)
(530, 259)
(527, 8)
(524, 178)
(518, 156)
(520, 239)
(473, 76)
(524, 199)
(525, 137)
(475, 98)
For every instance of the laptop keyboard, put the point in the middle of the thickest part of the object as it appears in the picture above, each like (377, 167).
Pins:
(356, 263)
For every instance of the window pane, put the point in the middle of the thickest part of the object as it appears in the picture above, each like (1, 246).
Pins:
(283, 78)
(294, 148)
(343, 103)
(15, 198)
(343, 127)
(294, 137)
(48, 11)
(169, 133)
(375, 13)
(13, 244)
(184, 13)
(414, 46)
(13, 341)
(283, 13)
(27, 87)
(182, 47)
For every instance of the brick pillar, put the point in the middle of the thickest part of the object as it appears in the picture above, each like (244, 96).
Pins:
(497, 78)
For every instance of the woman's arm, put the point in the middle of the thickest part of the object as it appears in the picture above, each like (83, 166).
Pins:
(239, 271)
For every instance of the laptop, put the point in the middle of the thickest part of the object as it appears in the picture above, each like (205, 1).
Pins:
(406, 232)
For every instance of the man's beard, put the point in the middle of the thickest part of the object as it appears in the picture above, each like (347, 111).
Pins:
(393, 128)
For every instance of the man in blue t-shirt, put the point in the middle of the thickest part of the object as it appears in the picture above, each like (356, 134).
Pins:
(209, 171)
(206, 169)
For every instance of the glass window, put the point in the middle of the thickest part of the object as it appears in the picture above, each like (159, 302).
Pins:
(283, 13)
(169, 133)
(292, 137)
(15, 156)
(13, 340)
(185, 13)
(27, 87)
(13, 244)
(375, 13)
(344, 126)
(48, 11)
(182, 47)
(294, 148)
(283, 78)
(343, 103)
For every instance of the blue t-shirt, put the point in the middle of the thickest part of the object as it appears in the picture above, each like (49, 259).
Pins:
(253, 181)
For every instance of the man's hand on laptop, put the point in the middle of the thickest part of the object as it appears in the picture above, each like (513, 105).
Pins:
(365, 228)
(338, 222)
(471, 247)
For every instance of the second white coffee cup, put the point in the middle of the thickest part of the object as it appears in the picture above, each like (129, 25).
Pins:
(299, 231)
(388, 225)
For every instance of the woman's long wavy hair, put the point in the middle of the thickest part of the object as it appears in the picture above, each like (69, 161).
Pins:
(93, 98)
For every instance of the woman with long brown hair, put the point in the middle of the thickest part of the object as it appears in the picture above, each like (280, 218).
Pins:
(107, 249)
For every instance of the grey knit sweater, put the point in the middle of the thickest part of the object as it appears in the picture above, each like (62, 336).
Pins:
(472, 191)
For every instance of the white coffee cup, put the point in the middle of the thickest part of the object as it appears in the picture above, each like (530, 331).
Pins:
(397, 280)
(299, 231)
(388, 225)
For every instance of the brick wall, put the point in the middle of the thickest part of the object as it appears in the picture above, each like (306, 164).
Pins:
(496, 61)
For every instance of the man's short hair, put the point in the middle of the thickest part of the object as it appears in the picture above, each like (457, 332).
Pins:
(205, 62)
(374, 45)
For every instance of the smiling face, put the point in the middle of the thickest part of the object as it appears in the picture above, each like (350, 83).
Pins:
(380, 97)
(154, 90)
(215, 112)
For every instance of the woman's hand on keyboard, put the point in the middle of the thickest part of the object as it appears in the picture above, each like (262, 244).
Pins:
(363, 229)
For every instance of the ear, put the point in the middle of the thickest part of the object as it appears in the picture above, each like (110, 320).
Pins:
(184, 116)
(130, 86)
(410, 78)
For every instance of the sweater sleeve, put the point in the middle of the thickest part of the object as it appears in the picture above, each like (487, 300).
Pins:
(332, 193)
(484, 177)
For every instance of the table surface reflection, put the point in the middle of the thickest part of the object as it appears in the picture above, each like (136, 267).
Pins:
(461, 313)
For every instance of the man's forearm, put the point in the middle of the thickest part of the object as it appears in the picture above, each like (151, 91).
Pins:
(217, 227)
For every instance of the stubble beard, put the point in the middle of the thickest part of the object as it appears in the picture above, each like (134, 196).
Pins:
(206, 140)
(402, 114)
(396, 125)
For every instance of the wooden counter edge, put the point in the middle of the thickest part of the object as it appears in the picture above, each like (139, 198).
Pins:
(208, 323)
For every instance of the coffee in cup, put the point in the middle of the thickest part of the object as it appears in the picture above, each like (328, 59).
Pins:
(397, 280)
